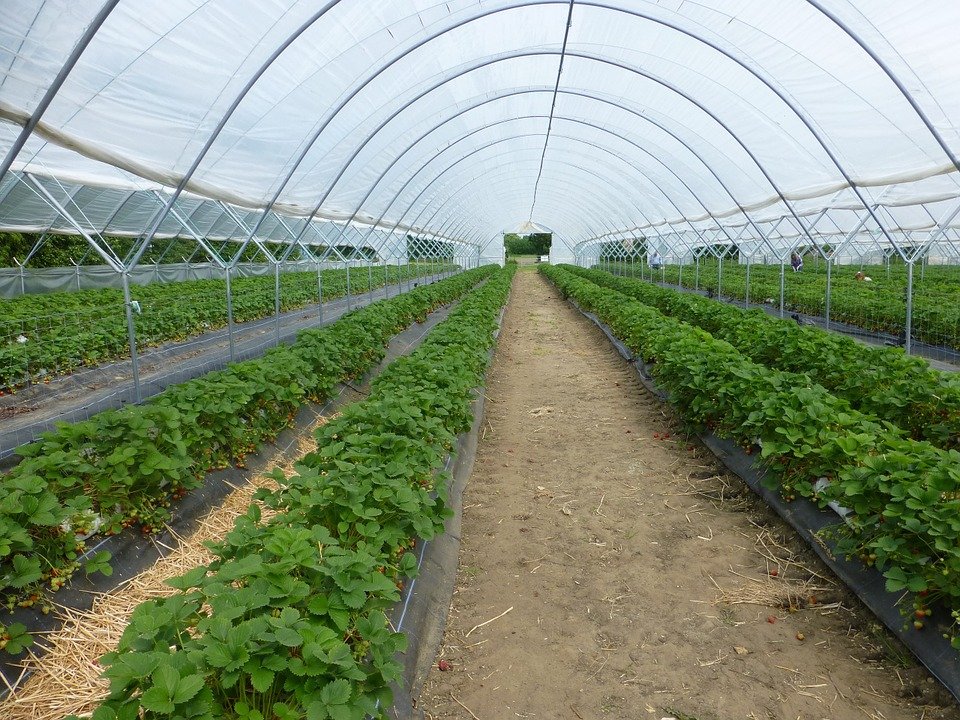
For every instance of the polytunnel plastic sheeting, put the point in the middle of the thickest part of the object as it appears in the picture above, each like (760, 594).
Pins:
(515, 153)
(312, 102)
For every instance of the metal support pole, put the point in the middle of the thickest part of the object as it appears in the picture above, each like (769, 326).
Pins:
(908, 326)
(696, 277)
(227, 270)
(386, 278)
(826, 309)
(276, 298)
(131, 334)
(349, 296)
(320, 293)
(399, 279)
(370, 278)
(720, 278)
(782, 266)
(746, 300)
(680, 275)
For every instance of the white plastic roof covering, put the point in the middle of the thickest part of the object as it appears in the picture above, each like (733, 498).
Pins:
(670, 117)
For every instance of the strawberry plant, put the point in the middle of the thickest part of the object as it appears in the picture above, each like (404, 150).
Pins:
(903, 492)
(878, 306)
(879, 381)
(124, 467)
(42, 336)
(289, 620)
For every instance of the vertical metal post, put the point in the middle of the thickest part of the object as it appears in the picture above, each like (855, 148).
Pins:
(386, 278)
(826, 308)
(320, 292)
(720, 278)
(23, 286)
(370, 278)
(399, 279)
(228, 269)
(696, 277)
(746, 289)
(77, 266)
(908, 326)
(680, 275)
(782, 265)
(349, 296)
(132, 335)
(276, 298)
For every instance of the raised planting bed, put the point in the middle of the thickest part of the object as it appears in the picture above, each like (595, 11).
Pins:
(124, 468)
(900, 497)
(43, 336)
(289, 621)
(879, 381)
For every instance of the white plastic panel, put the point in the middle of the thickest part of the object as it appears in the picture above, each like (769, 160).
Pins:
(671, 117)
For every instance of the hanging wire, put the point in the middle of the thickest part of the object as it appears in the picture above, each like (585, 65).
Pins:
(553, 105)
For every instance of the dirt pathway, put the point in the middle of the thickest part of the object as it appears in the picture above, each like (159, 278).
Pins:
(606, 572)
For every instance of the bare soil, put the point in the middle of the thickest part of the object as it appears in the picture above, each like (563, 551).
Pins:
(606, 572)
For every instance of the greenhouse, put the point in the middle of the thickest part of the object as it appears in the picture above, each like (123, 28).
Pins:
(479, 359)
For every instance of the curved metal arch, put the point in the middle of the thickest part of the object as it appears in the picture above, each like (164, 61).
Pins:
(618, 157)
(888, 71)
(794, 107)
(486, 177)
(579, 122)
(454, 164)
(413, 177)
(450, 167)
(760, 235)
(603, 200)
(513, 93)
(614, 63)
(600, 199)
(682, 218)
(561, 212)
(108, 7)
(248, 86)
(460, 23)
(786, 99)
(561, 117)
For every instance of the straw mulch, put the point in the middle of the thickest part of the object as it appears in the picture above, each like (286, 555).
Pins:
(65, 679)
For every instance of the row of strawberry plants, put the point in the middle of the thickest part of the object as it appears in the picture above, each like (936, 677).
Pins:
(43, 336)
(877, 380)
(124, 467)
(289, 620)
(878, 306)
(904, 493)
